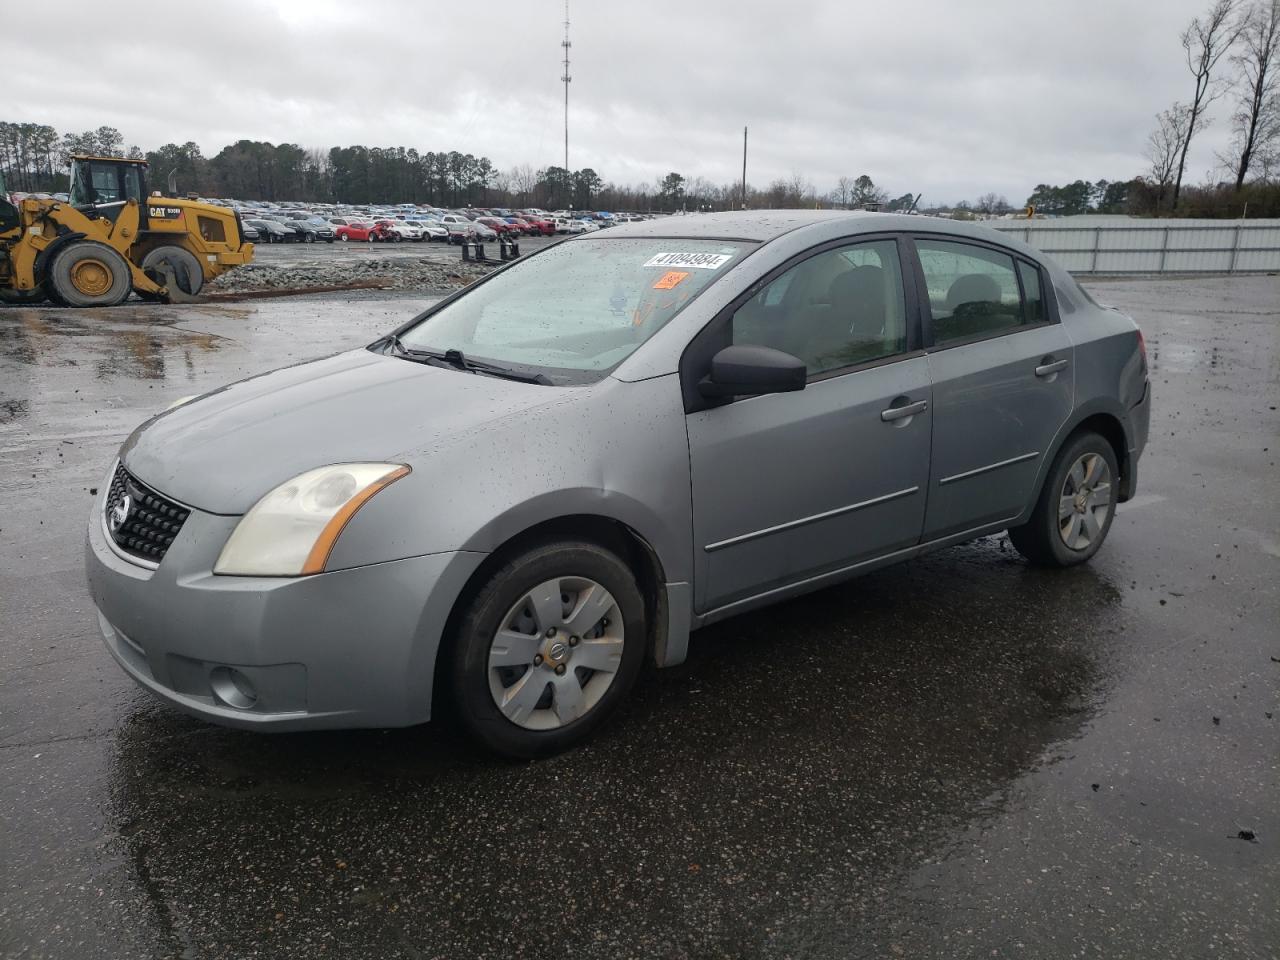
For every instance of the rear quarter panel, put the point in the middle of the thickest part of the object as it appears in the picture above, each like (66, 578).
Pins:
(1111, 374)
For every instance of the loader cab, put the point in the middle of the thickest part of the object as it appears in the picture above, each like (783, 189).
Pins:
(106, 184)
(8, 212)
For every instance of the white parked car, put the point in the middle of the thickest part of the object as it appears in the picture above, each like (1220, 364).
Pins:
(588, 226)
(431, 229)
(565, 225)
(459, 227)
(400, 230)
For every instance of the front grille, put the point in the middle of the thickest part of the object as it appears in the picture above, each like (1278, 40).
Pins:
(140, 521)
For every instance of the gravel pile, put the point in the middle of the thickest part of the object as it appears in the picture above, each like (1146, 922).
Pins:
(399, 273)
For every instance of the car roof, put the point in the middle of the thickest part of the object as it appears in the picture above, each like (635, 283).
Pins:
(765, 225)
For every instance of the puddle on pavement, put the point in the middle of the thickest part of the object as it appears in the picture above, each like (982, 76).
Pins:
(135, 348)
(885, 716)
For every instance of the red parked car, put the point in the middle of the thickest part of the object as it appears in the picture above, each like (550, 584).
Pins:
(361, 231)
(538, 224)
(498, 225)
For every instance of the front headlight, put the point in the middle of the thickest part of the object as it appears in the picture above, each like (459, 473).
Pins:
(291, 531)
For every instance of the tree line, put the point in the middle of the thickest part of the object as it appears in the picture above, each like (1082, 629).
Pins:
(1232, 53)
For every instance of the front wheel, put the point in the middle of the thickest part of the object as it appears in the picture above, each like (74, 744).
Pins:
(1074, 513)
(548, 648)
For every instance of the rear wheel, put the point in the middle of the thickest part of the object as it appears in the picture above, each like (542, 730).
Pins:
(1074, 513)
(22, 297)
(548, 648)
(185, 267)
(89, 274)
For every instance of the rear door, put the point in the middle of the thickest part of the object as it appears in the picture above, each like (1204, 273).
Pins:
(1003, 381)
(794, 485)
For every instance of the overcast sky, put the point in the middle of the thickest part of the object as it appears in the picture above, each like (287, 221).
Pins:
(951, 99)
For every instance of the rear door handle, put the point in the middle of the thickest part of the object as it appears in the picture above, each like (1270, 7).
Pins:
(910, 410)
(1049, 369)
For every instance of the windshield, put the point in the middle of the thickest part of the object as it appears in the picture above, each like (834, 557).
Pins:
(577, 310)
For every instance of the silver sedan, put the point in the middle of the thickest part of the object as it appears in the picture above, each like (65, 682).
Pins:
(520, 494)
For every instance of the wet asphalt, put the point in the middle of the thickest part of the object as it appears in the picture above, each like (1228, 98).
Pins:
(960, 756)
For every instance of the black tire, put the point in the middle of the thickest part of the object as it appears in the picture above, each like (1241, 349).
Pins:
(22, 298)
(75, 260)
(344, 238)
(186, 268)
(1041, 539)
(468, 655)
(310, 238)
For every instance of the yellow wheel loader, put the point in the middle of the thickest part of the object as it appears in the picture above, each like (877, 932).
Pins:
(113, 238)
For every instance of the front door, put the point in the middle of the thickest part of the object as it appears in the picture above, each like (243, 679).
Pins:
(793, 485)
(1003, 382)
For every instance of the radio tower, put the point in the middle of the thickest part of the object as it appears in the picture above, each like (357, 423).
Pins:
(565, 78)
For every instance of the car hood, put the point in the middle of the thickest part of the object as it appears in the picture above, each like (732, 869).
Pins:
(223, 451)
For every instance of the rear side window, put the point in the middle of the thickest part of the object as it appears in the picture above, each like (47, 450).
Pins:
(973, 291)
(1032, 299)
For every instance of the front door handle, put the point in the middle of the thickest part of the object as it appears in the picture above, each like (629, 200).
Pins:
(1051, 367)
(909, 410)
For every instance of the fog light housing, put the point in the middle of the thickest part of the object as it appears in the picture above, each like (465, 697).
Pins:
(232, 688)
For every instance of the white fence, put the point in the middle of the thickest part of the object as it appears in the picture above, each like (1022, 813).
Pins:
(1088, 245)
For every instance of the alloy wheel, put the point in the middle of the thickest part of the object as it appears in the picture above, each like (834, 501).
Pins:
(1084, 502)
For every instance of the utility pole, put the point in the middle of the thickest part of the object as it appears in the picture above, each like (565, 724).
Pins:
(565, 78)
(744, 165)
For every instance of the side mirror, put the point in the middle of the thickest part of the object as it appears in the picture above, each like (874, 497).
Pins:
(746, 371)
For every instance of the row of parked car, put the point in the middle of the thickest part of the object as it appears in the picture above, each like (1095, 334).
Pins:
(270, 223)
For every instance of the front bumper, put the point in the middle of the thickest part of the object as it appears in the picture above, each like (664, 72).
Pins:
(350, 648)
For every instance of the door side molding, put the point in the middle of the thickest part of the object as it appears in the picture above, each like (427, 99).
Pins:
(792, 524)
(988, 468)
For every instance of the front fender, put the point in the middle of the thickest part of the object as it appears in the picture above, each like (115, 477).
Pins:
(614, 450)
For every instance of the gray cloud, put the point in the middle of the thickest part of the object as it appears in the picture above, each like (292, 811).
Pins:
(949, 98)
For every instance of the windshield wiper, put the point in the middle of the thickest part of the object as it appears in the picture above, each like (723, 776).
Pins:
(454, 358)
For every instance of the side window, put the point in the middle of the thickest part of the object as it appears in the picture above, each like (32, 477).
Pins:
(1032, 300)
(973, 291)
(132, 184)
(839, 308)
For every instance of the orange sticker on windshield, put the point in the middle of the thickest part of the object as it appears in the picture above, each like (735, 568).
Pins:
(669, 279)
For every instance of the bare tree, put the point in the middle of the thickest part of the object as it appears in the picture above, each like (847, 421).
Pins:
(799, 190)
(1267, 163)
(1256, 121)
(523, 180)
(1164, 146)
(1204, 42)
(990, 203)
(843, 190)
